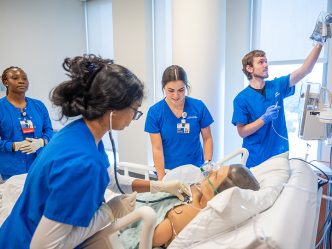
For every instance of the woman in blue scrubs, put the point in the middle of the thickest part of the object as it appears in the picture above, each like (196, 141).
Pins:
(62, 202)
(176, 123)
(25, 126)
(259, 108)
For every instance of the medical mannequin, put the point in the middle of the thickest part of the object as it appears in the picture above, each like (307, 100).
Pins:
(176, 123)
(62, 203)
(25, 126)
(217, 181)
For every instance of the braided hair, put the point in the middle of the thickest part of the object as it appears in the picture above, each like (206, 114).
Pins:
(96, 85)
(4, 75)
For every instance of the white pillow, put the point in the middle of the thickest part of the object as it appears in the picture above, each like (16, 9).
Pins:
(234, 206)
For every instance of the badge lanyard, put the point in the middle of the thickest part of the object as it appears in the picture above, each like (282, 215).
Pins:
(26, 123)
(183, 127)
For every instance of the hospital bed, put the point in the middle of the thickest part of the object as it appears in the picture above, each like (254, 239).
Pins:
(282, 214)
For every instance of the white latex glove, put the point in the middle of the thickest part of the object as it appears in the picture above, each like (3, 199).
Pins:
(33, 145)
(176, 188)
(122, 205)
(19, 145)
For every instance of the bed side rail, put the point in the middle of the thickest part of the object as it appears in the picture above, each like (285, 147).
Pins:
(107, 238)
(242, 151)
(136, 168)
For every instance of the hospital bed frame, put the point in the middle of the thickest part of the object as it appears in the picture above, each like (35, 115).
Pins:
(304, 219)
(107, 238)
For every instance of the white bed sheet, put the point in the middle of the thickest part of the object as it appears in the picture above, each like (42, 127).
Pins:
(9, 192)
(290, 223)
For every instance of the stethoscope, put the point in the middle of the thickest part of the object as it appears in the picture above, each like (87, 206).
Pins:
(116, 174)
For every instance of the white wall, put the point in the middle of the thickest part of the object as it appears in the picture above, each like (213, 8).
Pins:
(198, 36)
(100, 28)
(99, 39)
(162, 40)
(237, 45)
(207, 37)
(132, 26)
(37, 35)
(209, 41)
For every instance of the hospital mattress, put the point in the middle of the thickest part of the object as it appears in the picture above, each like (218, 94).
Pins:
(290, 223)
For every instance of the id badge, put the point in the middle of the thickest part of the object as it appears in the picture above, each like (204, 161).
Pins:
(27, 126)
(183, 128)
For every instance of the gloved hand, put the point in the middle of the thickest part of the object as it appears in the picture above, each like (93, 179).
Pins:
(207, 167)
(122, 205)
(33, 145)
(176, 188)
(19, 145)
(271, 113)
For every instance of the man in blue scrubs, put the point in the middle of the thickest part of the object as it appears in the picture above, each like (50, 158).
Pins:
(259, 108)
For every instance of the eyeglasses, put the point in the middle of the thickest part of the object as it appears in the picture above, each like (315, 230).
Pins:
(137, 113)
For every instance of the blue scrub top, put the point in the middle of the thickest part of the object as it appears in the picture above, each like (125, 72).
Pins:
(249, 105)
(13, 163)
(179, 148)
(66, 183)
